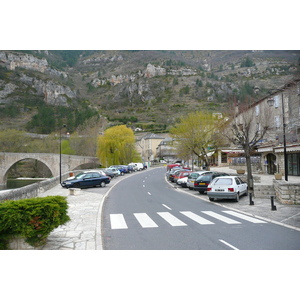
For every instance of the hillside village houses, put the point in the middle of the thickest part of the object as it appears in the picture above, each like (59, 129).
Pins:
(269, 157)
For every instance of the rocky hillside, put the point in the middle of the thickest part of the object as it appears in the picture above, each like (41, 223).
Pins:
(40, 90)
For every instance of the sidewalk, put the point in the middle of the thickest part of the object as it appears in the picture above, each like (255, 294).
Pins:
(83, 232)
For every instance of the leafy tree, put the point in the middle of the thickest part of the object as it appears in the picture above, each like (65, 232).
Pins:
(12, 140)
(195, 134)
(117, 146)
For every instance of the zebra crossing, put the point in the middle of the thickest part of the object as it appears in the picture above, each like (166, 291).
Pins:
(117, 221)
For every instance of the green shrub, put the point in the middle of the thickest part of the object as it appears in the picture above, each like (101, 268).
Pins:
(32, 219)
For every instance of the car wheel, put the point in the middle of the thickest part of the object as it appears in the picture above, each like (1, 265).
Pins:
(211, 199)
(237, 198)
(201, 192)
(102, 184)
(190, 188)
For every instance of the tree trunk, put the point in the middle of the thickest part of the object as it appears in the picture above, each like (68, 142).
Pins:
(249, 172)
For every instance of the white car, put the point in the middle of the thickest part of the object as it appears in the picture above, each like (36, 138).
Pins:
(227, 187)
(182, 181)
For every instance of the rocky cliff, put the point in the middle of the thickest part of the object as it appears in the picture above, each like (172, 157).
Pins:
(144, 87)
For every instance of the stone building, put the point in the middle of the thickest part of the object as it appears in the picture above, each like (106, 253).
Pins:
(280, 111)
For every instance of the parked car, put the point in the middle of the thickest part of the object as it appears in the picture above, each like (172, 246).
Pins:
(86, 179)
(88, 171)
(171, 172)
(182, 182)
(171, 166)
(193, 176)
(181, 174)
(110, 173)
(203, 181)
(227, 187)
(115, 171)
(121, 168)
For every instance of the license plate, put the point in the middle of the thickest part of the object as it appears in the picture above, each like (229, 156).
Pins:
(201, 183)
(218, 190)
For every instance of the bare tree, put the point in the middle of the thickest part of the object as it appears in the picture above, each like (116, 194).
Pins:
(246, 127)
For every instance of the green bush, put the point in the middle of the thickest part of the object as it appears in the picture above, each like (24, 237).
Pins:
(32, 219)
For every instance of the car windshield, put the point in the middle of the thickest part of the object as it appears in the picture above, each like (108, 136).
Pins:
(223, 181)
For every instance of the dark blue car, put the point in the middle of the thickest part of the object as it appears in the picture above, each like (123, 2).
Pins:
(86, 179)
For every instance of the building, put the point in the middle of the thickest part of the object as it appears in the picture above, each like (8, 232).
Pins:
(280, 111)
(147, 146)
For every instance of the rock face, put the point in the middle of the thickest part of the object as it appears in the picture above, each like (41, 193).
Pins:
(54, 93)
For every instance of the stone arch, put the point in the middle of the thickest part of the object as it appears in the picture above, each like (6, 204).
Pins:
(13, 162)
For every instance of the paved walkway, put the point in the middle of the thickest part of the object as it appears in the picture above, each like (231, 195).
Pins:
(83, 232)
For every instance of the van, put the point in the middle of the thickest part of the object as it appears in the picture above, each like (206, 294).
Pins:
(138, 166)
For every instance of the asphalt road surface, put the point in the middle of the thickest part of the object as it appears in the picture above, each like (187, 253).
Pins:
(144, 212)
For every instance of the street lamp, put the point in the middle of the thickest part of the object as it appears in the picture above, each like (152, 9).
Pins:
(271, 103)
(64, 126)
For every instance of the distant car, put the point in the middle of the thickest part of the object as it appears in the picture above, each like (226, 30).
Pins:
(227, 187)
(204, 180)
(86, 179)
(182, 182)
(193, 176)
(115, 171)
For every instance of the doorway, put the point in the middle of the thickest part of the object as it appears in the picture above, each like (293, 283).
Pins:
(271, 163)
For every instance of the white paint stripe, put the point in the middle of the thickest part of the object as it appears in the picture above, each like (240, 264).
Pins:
(228, 245)
(196, 218)
(149, 193)
(145, 220)
(171, 219)
(220, 217)
(117, 221)
(247, 218)
(167, 207)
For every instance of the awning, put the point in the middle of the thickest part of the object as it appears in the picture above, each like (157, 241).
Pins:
(233, 151)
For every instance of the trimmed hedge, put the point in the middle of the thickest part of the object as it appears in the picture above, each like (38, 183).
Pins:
(32, 219)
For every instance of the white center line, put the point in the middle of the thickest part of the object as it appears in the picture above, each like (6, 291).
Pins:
(167, 206)
(149, 193)
(234, 248)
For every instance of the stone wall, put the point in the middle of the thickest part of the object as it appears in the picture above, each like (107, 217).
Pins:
(31, 190)
(287, 193)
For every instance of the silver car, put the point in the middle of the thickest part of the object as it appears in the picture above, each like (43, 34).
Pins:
(192, 177)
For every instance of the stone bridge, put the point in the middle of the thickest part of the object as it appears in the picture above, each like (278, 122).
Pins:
(68, 162)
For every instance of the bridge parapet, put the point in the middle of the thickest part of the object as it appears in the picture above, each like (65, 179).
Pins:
(51, 160)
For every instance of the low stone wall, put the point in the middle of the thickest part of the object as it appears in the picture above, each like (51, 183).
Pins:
(287, 193)
(31, 190)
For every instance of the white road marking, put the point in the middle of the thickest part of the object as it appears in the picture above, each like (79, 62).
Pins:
(220, 217)
(196, 218)
(117, 221)
(149, 193)
(166, 206)
(247, 218)
(145, 220)
(228, 245)
(171, 219)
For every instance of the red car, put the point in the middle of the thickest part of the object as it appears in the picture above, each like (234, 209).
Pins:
(181, 174)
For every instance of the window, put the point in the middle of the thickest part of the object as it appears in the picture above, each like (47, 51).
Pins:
(237, 181)
(224, 181)
(276, 100)
(257, 110)
(277, 121)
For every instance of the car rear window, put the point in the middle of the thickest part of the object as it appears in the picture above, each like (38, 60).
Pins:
(204, 178)
(223, 181)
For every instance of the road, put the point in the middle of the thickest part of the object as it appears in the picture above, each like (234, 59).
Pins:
(145, 212)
